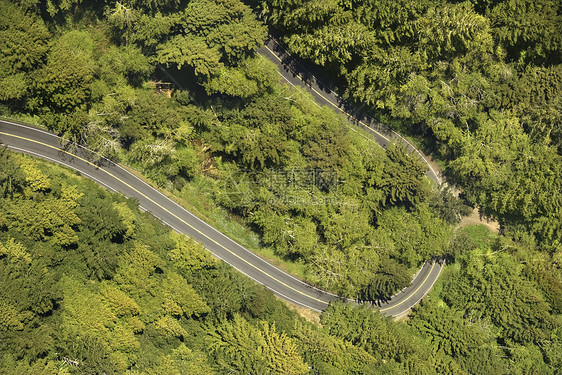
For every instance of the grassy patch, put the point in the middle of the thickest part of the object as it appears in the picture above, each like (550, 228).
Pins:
(32, 120)
(479, 235)
(196, 197)
(234, 228)
(226, 223)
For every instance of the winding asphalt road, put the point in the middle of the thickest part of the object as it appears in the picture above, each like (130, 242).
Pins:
(295, 74)
(45, 145)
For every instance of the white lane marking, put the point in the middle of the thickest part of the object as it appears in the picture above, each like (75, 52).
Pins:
(244, 273)
(343, 111)
(62, 163)
(425, 294)
(195, 217)
(165, 222)
(207, 226)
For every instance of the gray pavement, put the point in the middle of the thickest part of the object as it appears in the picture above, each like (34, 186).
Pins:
(45, 145)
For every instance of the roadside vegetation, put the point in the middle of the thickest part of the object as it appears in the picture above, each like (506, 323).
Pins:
(92, 285)
(478, 82)
(229, 134)
(176, 90)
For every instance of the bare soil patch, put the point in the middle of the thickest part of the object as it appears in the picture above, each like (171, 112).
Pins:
(476, 218)
(310, 316)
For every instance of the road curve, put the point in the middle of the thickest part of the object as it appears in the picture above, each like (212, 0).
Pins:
(45, 145)
(295, 74)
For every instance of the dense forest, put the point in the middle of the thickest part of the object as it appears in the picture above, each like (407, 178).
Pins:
(476, 84)
(91, 285)
(316, 192)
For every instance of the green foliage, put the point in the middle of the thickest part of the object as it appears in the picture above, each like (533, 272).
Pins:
(489, 175)
(11, 175)
(481, 83)
(500, 294)
(470, 238)
(63, 84)
(55, 7)
(233, 82)
(217, 37)
(319, 190)
(51, 218)
(12, 316)
(477, 80)
(190, 256)
(330, 355)
(530, 30)
(191, 51)
(55, 307)
(448, 207)
(450, 332)
(23, 44)
(319, 193)
(227, 25)
(448, 30)
(417, 235)
(240, 347)
(123, 62)
(21, 272)
(389, 278)
(395, 346)
(180, 298)
(182, 360)
(404, 177)
(281, 352)
(489, 308)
